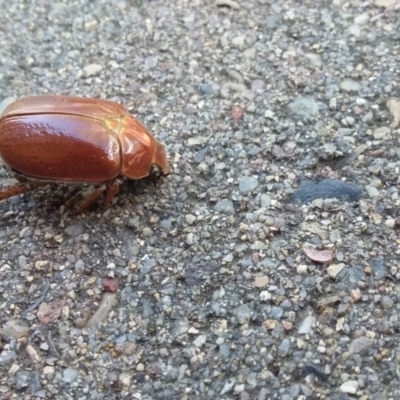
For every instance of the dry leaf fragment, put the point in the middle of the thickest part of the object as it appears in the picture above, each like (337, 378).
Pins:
(377, 153)
(319, 256)
(327, 301)
(313, 228)
(110, 284)
(33, 354)
(48, 312)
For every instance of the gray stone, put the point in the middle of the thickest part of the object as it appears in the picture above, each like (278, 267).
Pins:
(243, 314)
(325, 189)
(7, 357)
(247, 184)
(360, 345)
(22, 379)
(70, 375)
(225, 206)
(306, 325)
(283, 348)
(350, 86)
(16, 328)
(304, 107)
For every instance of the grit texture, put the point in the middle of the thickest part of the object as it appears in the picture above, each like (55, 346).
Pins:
(267, 265)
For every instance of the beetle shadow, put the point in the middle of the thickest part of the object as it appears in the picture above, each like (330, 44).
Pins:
(49, 199)
(71, 196)
(138, 187)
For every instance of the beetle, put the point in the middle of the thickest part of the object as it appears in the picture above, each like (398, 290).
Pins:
(66, 139)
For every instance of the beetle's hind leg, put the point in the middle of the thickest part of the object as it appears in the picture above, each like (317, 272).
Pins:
(19, 189)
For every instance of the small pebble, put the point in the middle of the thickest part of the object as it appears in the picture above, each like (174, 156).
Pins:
(70, 375)
(225, 206)
(350, 387)
(350, 86)
(306, 325)
(16, 328)
(247, 184)
(92, 69)
(101, 314)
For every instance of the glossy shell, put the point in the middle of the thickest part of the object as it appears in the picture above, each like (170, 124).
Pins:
(75, 139)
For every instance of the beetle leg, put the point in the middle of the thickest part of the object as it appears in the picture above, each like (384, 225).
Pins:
(111, 188)
(111, 192)
(19, 189)
(91, 199)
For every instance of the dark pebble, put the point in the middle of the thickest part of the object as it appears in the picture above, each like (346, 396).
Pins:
(326, 189)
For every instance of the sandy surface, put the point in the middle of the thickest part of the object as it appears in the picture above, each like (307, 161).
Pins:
(199, 287)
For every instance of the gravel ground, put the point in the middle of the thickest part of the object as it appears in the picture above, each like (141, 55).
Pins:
(267, 265)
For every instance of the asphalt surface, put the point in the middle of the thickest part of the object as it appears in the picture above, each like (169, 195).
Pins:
(266, 266)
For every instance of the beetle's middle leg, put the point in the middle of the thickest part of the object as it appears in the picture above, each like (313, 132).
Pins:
(19, 189)
(111, 191)
(89, 200)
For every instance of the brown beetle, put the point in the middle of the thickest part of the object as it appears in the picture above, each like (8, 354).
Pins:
(51, 138)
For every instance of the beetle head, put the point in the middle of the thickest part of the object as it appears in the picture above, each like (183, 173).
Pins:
(160, 161)
(155, 173)
(142, 155)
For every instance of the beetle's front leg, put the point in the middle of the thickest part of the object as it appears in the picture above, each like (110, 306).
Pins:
(19, 189)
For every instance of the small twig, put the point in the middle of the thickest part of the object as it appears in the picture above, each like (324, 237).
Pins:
(38, 301)
(52, 345)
